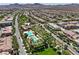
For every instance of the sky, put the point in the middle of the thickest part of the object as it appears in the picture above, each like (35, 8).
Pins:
(5, 2)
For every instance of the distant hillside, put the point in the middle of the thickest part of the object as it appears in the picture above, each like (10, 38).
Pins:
(38, 5)
(67, 7)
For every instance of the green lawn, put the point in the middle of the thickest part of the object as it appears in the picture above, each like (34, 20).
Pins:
(1, 17)
(22, 19)
(48, 51)
(15, 43)
(66, 52)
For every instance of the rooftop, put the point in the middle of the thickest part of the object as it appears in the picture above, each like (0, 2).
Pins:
(7, 29)
(6, 44)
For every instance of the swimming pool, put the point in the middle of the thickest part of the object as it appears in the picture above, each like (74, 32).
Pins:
(32, 36)
(29, 33)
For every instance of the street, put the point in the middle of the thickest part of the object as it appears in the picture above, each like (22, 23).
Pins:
(19, 39)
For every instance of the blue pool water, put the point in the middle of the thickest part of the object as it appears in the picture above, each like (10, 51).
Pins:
(29, 33)
(33, 37)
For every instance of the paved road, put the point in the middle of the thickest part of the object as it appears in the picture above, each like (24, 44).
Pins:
(69, 47)
(19, 39)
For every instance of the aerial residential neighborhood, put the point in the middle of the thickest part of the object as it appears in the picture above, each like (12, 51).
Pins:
(39, 29)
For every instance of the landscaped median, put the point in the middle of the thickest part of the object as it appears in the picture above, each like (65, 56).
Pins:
(15, 45)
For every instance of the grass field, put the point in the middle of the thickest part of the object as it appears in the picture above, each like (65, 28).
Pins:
(48, 51)
(66, 52)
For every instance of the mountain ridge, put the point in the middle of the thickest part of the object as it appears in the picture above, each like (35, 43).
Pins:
(39, 6)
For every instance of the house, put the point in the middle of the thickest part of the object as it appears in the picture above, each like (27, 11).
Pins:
(71, 34)
(5, 44)
(6, 31)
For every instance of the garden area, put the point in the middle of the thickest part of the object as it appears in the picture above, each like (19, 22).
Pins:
(22, 19)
